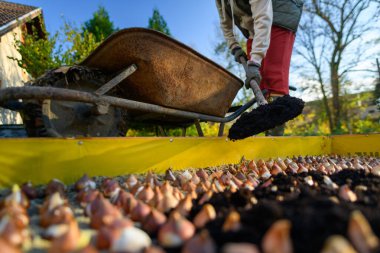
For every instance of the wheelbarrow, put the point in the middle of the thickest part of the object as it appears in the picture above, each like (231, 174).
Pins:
(136, 76)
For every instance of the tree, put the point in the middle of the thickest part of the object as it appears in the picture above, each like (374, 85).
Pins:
(37, 54)
(158, 23)
(377, 84)
(100, 25)
(81, 43)
(66, 47)
(331, 39)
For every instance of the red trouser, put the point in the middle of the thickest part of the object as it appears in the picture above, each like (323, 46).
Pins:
(276, 63)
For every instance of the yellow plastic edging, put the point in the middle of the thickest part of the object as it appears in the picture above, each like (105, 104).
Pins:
(356, 145)
(40, 160)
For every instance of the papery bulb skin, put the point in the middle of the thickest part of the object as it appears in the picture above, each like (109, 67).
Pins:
(103, 214)
(108, 234)
(206, 214)
(29, 190)
(6, 247)
(232, 222)
(140, 212)
(68, 242)
(54, 186)
(201, 243)
(131, 239)
(277, 239)
(146, 194)
(361, 234)
(85, 183)
(175, 231)
(154, 221)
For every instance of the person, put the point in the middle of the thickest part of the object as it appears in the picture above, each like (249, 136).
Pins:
(270, 27)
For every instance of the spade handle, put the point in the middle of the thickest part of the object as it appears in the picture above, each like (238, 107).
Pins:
(254, 85)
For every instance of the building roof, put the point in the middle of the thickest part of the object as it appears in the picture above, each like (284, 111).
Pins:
(12, 11)
(12, 14)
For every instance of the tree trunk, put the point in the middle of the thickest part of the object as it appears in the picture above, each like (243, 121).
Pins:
(335, 87)
(325, 101)
(327, 109)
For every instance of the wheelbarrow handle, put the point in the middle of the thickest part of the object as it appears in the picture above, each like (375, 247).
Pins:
(254, 85)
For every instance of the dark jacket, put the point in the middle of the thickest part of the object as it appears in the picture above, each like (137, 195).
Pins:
(286, 13)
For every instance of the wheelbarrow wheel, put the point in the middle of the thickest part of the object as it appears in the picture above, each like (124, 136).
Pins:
(78, 119)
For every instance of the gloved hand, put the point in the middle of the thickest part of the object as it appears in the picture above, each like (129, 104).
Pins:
(238, 52)
(252, 73)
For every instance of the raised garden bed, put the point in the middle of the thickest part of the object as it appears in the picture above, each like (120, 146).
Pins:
(300, 204)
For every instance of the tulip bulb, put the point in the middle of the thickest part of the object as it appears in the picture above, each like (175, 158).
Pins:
(276, 170)
(195, 179)
(86, 197)
(17, 197)
(17, 214)
(154, 249)
(337, 244)
(149, 178)
(59, 215)
(187, 176)
(11, 232)
(178, 194)
(85, 183)
(131, 182)
(140, 212)
(167, 202)
(103, 213)
(201, 243)
(153, 221)
(166, 188)
(131, 239)
(240, 248)
(205, 197)
(7, 247)
(176, 231)
(232, 222)
(361, 234)
(158, 196)
(169, 176)
(202, 175)
(55, 231)
(206, 214)
(124, 201)
(53, 201)
(54, 186)
(29, 190)
(264, 173)
(109, 233)
(146, 194)
(110, 188)
(346, 194)
(68, 241)
(277, 238)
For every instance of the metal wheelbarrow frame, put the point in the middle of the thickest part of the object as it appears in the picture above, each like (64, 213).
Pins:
(164, 93)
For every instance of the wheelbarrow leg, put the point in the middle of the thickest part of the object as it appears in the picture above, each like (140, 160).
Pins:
(221, 130)
(184, 132)
(162, 131)
(199, 128)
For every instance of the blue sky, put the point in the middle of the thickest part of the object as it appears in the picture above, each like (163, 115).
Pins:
(193, 22)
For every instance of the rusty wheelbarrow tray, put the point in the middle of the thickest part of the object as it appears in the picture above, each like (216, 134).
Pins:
(155, 78)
